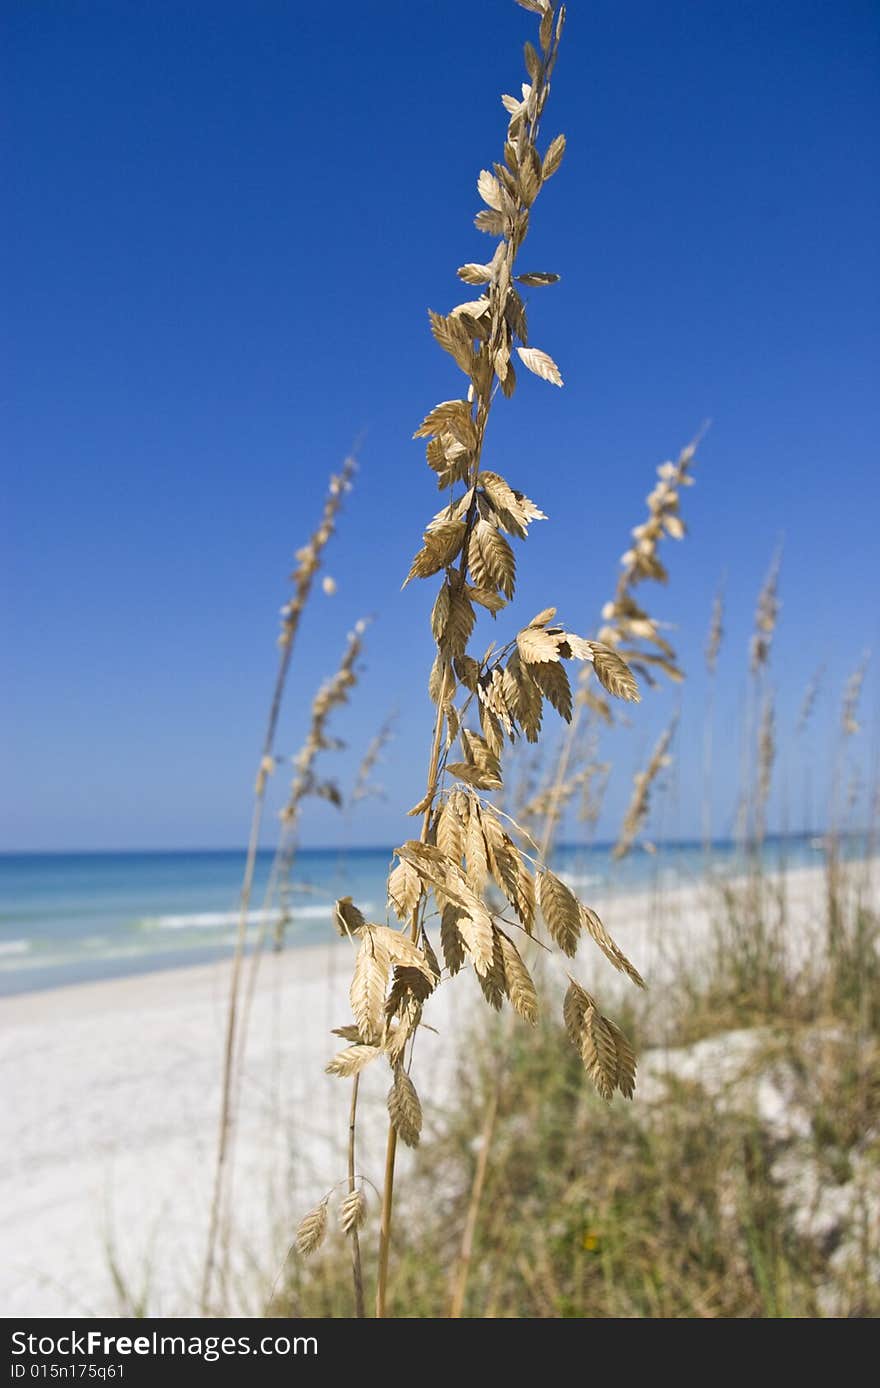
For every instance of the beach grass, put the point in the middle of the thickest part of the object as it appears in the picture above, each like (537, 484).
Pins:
(702, 1200)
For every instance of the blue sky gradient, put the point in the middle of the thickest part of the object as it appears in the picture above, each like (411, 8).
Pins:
(225, 223)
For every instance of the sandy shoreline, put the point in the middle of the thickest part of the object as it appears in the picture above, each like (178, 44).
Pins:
(110, 1122)
(111, 1103)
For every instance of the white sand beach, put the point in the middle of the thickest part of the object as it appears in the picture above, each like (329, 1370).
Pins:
(111, 1098)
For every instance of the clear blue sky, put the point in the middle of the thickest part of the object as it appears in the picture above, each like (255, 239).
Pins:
(223, 225)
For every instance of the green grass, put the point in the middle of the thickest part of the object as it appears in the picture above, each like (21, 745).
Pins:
(667, 1209)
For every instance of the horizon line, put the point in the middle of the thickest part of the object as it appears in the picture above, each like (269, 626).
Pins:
(680, 842)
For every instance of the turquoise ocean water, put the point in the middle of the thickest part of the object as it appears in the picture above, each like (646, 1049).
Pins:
(71, 917)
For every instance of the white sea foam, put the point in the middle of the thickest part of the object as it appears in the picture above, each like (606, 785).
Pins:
(581, 879)
(15, 947)
(216, 920)
(209, 920)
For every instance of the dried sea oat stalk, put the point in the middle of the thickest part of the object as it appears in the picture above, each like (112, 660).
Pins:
(766, 762)
(766, 617)
(760, 747)
(640, 803)
(312, 1228)
(808, 704)
(716, 633)
(363, 785)
(303, 577)
(629, 630)
(306, 783)
(481, 704)
(849, 713)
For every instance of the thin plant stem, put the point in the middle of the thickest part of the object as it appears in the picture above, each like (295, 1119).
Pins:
(385, 1223)
(234, 985)
(708, 740)
(356, 1268)
(391, 1145)
(713, 646)
(463, 1266)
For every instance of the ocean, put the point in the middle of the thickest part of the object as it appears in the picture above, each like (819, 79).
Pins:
(74, 917)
